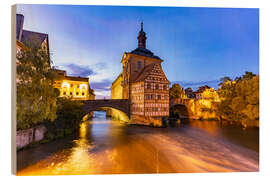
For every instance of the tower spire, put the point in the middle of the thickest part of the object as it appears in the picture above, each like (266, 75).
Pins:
(141, 38)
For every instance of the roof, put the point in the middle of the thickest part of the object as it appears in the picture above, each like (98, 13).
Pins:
(117, 78)
(33, 38)
(202, 88)
(78, 78)
(144, 52)
(72, 78)
(144, 73)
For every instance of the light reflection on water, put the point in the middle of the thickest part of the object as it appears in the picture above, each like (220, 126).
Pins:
(108, 147)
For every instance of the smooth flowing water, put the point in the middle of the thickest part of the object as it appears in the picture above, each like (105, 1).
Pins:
(104, 146)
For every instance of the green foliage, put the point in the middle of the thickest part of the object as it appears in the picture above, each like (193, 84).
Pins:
(176, 91)
(69, 116)
(36, 97)
(239, 99)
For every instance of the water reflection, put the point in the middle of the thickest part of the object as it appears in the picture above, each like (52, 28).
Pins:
(109, 147)
(235, 133)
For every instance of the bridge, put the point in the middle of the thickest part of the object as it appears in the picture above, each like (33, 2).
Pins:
(179, 101)
(119, 104)
(182, 107)
(124, 106)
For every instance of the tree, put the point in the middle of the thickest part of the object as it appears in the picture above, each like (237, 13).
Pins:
(239, 99)
(36, 97)
(248, 75)
(69, 116)
(224, 80)
(176, 91)
(210, 94)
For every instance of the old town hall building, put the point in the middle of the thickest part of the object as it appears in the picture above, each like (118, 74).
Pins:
(144, 83)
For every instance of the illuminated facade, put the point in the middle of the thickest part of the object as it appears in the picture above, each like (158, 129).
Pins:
(75, 87)
(144, 83)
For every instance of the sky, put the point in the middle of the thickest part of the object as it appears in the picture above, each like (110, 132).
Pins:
(199, 46)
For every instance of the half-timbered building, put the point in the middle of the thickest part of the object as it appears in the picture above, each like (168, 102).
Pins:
(144, 83)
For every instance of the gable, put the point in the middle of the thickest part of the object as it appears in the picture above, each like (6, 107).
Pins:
(157, 74)
(152, 72)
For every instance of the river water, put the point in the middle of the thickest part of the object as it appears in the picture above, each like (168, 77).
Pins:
(104, 146)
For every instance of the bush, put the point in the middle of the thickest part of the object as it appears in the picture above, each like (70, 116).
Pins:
(69, 116)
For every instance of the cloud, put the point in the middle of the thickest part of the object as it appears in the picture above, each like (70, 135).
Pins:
(102, 94)
(102, 88)
(195, 85)
(77, 70)
(100, 65)
(103, 85)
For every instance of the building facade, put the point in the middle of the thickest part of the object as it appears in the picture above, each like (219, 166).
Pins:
(77, 88)
(144, 83)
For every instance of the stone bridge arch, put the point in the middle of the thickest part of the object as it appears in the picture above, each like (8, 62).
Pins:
(180, 107)
(119, 104)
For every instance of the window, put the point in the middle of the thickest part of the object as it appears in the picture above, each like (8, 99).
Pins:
(64, 93)
(147, 96)
(157, 86)
(152, 96)
(83, 93)
(139, 65)
(159, 97)
(77, 93)
(165, 87)
(70, 93)
(148, 86)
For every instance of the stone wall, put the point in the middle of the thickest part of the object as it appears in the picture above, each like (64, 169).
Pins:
(27, 136)
(146, 120)
(196, 108)
(117, 115)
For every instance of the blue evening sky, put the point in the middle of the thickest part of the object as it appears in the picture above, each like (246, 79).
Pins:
(198, 45)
